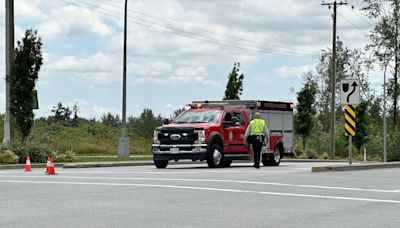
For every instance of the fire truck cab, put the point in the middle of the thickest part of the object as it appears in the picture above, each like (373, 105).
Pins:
(214, 131)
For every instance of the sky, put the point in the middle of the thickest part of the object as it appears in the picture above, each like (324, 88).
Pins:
(178, 50)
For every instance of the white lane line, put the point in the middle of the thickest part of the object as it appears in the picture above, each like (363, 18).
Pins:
(215, 180)
(166, 172)
(206, 189)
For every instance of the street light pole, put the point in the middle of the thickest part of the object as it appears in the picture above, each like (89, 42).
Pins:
(384, 114)
(123, 146)
(9, 58)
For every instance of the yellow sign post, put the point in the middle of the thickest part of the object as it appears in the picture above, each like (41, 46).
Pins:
(350, 125)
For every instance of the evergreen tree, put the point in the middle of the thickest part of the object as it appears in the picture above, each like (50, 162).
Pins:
(234, 87)
(385, 45)
(145, 124)
(305, 110)
(111, 120)
(362, 121)
(24, 74)
(62, 114)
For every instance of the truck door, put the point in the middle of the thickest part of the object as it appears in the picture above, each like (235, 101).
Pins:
(238, 132)
(228, 133)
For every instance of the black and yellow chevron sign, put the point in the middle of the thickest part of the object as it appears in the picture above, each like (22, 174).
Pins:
(350, 120)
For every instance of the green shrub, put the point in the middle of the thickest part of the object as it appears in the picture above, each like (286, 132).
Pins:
(37, 152)
(66, 156)
(8, 157)
(394, 147)
(324, 155)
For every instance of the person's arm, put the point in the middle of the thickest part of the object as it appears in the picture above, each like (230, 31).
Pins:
(266, 131)
(266, 134)
(247, 133)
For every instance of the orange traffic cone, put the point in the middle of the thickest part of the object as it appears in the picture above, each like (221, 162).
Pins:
(51, 170)
(48, 165)
(28, 166)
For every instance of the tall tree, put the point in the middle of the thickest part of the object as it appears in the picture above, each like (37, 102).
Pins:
(145, 124)
(305, 109)
(24, 74)
(62, 114)
(350, 64)
(362, 121)
(234, 86)
(385, 44)
(111, 120)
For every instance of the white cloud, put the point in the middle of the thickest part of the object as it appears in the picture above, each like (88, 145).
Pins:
(149, 69)
(288, 72)
(26, 10)
(73, 21)
(88, 63)
(189, 74)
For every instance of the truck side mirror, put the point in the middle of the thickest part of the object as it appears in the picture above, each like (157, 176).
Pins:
(165, 121)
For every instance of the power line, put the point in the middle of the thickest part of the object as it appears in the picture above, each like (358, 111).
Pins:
(182, 25)
(181, 32)
(356, 12)
(357, 27)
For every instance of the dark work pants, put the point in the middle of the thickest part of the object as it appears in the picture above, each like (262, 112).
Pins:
(257, 143)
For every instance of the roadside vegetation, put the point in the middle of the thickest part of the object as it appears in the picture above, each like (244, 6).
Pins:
(382, 54)
(66, 136)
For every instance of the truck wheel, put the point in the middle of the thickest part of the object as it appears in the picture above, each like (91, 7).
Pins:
(274, 159)
(161, 164)
(226, 162)
(215, 156)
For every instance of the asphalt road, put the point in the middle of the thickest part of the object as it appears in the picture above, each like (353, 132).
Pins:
(196, 196)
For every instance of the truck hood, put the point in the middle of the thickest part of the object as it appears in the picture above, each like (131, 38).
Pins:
(193, 125)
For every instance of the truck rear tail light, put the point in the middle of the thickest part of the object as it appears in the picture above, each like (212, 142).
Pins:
(201, 136)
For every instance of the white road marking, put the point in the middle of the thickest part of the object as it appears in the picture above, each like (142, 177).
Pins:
(165, 172)
(216, 180)
(206, 189)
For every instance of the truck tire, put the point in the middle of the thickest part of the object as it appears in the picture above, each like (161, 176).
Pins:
(273, 159)
(226, 162)
(161, 164)
(215, 156)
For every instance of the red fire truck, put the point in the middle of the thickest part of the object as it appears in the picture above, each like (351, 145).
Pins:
(214, 131)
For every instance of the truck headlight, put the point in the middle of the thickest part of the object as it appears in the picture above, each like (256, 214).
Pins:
(201, 136)
(155, 137)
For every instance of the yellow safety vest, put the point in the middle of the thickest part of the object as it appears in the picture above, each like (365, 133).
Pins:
(257, 127)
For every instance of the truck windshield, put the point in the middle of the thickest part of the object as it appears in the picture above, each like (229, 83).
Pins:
(191, 116)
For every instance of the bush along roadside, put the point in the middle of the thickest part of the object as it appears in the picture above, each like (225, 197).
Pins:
(65, 156)
(8, 157)
(38, 153)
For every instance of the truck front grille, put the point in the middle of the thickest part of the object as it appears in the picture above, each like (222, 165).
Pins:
(177, 136)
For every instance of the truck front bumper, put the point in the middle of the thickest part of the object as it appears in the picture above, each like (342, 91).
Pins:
(180, 151)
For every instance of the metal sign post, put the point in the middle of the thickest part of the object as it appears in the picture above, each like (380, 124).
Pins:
(350, 125)
(350, 146)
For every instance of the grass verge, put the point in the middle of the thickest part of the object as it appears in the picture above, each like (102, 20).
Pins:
(111, 159)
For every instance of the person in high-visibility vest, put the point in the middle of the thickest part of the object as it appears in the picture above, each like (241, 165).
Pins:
(256, 133)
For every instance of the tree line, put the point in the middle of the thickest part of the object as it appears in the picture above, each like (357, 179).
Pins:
(383, 53)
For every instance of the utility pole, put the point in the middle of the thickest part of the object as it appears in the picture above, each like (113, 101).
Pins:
(123, 146)
(9, 58)
(335, 4)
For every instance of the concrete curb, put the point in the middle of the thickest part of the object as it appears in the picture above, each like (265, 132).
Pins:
(145, 163)
(355, 167)
(105, 164)
(34, 166)
(184, 162)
